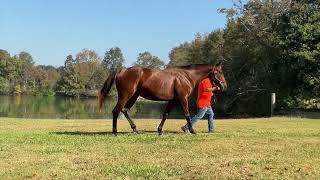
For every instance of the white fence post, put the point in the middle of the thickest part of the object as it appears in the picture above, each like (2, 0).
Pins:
(273, 103)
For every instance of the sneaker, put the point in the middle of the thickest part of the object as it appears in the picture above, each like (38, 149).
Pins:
(184, 129)
(193, 132)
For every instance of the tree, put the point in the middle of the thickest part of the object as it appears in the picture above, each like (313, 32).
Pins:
(4, 82)
(266, 45)
(147, 60)
(51, 80)
(69, 83)
(87, 64)
(4, 58)
(299, 33)
(4, 86)
(28, 71)
(86, 55)
(274, 46)
(38, 81)
(25, 57)
(10, 70)
(212, 47)
(179, 56)
(113, 59)
(204, 49)
(188, 53)
(83, 75)
(4, 54)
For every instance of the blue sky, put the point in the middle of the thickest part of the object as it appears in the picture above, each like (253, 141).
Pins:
(50, 30)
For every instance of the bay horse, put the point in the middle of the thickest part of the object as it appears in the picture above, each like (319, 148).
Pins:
(173, 84)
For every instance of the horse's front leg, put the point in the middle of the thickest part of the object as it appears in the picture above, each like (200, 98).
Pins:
(169, 107)
(185, 109)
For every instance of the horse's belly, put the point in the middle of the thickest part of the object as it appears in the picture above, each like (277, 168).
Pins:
(159, 87)
(157, 94)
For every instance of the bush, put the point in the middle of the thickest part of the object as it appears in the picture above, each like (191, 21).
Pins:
(4, 86)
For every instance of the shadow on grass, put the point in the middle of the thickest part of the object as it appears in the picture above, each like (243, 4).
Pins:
(85, 133)
(164, 132)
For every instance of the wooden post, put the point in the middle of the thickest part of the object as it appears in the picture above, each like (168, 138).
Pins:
(273, 103)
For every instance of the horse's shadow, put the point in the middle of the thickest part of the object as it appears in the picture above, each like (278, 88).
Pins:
(86, 133)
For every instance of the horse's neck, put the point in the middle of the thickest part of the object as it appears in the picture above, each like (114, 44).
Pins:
(195, 75)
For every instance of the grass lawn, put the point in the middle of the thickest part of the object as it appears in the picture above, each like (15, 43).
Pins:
(275, 148)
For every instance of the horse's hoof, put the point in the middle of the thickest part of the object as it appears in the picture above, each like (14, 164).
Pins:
(184, 129)
(114, 133)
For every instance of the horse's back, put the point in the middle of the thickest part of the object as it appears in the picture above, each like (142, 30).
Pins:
(146, 74)
(154, 84)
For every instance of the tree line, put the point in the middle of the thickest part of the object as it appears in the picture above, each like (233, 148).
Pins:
(266, 45)
(81, 75)
(272, 46)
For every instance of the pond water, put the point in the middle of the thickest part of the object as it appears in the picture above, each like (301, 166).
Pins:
(72, 108)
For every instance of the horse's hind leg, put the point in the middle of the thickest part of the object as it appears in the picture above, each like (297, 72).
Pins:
(126, 110)
(115, 113)
(169, 107)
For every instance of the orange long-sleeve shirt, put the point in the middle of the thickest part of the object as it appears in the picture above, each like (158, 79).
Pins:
(204, 97)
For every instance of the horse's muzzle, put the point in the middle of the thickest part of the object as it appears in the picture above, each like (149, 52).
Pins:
(224, 86)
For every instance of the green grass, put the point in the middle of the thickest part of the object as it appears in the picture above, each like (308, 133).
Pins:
(276, 148)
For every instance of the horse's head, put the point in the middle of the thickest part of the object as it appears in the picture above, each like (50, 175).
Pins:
(217, 77)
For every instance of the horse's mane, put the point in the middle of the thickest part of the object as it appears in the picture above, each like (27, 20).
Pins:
(190, 66)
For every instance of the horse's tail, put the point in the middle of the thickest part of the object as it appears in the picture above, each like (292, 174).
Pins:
(106, 89)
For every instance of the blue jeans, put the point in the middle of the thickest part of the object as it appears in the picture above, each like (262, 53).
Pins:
(201, 112)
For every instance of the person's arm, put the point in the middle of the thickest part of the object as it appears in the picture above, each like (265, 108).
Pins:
(212, 89)
(207, 86)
